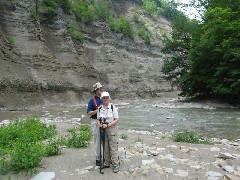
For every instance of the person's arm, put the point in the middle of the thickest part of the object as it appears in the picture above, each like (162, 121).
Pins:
(114, 122)
(91, 112)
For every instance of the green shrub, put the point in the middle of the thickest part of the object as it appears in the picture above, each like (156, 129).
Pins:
(66, 5)
(50, 8)
(4, 83)
(151, 7)
(190, 137)
(5, 165)
(21, 146)
(54, 146)
(25, 142)
(122, 25)
(139, 139)
(26, 155)
(34, 13)
(83, 11)
(9, 39)
(124, 136)
(80, 136)
(22, 85)
(103, 9)
(73, 31)
(136, 17)
(144, 34)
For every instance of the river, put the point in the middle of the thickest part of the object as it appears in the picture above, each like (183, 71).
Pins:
(165, 115)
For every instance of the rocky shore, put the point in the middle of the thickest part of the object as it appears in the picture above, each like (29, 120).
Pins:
(144, 155)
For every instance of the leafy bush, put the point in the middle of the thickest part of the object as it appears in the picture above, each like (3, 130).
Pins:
(4, 83)
(9, 39)
(139, 139)
(73, 31)
(26, 155)
(66, 5)
(136, 17)
(30, 130)
(124, 136)
(25, 142)
(83, 11)
(19, 85)
(151, 7)
(144, 34)
(103, 9)
(122, 25)
(54, 146)
(21, 146)
(80, 136)
(34, 12)
(190, 137)
(50, 8)
(5, 158)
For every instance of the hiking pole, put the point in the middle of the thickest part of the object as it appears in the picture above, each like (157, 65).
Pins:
(101, 158)
(104, 139)
(102, 142)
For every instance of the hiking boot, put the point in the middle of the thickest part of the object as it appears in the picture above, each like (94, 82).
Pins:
(115, 168)
(98, 162)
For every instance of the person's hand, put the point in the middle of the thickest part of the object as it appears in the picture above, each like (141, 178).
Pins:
(104, 125)
(98, 123)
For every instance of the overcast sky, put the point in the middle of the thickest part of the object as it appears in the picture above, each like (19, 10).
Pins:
(190, 12)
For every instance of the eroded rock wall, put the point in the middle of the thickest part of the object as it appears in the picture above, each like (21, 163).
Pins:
(39, 61)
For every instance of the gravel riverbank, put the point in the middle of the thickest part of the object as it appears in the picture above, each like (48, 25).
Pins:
(154, 156)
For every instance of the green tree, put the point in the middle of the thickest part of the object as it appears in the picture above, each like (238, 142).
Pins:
(176, 64)
(216, 53)
(206, 62)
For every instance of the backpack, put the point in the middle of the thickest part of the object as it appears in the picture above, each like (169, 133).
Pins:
(111, 107)
(95, 103)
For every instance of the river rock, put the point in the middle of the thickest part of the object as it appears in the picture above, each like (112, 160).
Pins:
(146, 162)
(231, 177)
(215, 149)
(213, 175)
(168, 170)
(226, 156)
(44, 176)
(182, 173)
(228, 168)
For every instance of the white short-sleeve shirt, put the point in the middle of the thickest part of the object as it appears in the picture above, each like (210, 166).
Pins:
(107, 113)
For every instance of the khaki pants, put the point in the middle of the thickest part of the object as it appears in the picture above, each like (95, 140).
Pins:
(111, 146)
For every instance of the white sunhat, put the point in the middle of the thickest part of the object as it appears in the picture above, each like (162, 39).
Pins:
(105, 94)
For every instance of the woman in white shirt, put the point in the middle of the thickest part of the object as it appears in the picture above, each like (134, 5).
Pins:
(107, 118)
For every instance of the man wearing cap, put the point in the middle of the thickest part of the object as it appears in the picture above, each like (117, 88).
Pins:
(92, 110)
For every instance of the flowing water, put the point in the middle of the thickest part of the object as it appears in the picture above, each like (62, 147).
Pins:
(164, 115)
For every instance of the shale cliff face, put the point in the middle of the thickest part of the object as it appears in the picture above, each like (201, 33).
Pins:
(39, 64)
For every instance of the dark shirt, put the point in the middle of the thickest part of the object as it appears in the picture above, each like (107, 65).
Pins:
(93, 107)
